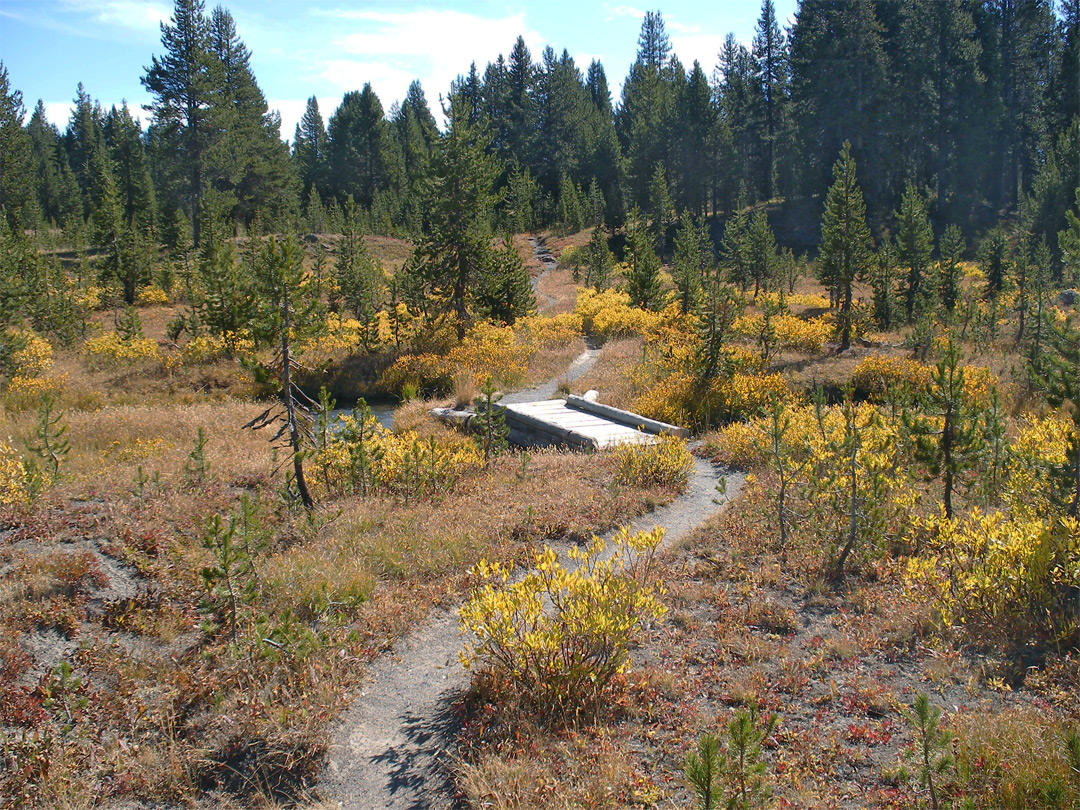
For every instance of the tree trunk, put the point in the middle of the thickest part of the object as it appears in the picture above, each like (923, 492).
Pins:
(290, 408)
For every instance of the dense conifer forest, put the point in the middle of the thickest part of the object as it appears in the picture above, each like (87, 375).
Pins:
(243, 565)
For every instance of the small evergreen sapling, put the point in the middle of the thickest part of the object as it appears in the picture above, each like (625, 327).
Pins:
(196, 468)
(49, 441)
(735, 777)
(490, 421)
(932, 754)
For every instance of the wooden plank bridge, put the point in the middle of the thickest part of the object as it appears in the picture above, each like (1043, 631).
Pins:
(578, 422)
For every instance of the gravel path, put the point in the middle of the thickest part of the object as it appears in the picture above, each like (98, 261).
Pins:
(545, 257)
(389, 748)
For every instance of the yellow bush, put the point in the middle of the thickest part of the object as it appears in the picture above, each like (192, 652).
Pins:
(90, 298)
(681, 399)
(1006, 578)
(153, 296)
(791, 331)
(979, 382)
(1040, 446)
(416, 370)
(12, 492)
(740, 445)
(545, 332)
(33, 357)
(558, 638)
(23, 393)
(666, 463)
(342, 336)
(110, 350)
(879, 374)
(399, 463)
(211, 348)
(490, 351)
(608, 313)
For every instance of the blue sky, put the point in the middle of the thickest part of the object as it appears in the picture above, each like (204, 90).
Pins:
(327, 47)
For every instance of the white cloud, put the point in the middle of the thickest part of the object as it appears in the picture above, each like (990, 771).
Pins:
(623, 11)
(58, 112)
(143, 16)
(703, 47)
(391, 48)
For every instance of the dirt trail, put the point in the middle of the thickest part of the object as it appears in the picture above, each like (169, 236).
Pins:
(389, 748)
(546, 258)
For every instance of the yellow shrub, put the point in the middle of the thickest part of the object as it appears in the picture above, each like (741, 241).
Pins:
(666, 463)
(342, 336)
(879, 374)
(153, 296)
(681, 399)
(558, 638)
(1004, 578)
(1040, 446)
(416, 370)
(89, 298)
(211, 348)
(33, 357)
(490, 351)
(608, 313)
(399, 463)
(110, 350)
(791, 331)
(408, 466)
(545, 332)
(12, 492)
(979, 382)
(740, 445)
(23, 393)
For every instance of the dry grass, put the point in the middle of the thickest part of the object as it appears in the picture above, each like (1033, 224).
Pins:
(613, 375)
(105, 572)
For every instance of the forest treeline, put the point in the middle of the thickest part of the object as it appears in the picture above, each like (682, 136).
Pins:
(974, 102)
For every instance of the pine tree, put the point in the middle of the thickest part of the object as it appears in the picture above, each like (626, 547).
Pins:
(845, 239)
(358, 276)
(131, 170)
(914, 243)
(946, 432)
(286, 308)
(456, 248)
(761, 258)
(643, 272)
(309, 151)
(598, 260)
(1059, 376)
(733, 249)
(993, 258)
(693, 257)
(883, 282)
(950, 251)
(770, 58)
(185, 84)
(660, 207)
(358, 147)
(506, 292)
(17, 195)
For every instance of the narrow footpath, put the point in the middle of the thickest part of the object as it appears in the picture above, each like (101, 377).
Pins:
(388, 748)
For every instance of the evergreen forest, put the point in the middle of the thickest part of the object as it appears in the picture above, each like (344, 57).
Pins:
(238, 536)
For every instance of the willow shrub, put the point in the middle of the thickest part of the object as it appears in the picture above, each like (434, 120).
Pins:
(665, 463)
(557, 639)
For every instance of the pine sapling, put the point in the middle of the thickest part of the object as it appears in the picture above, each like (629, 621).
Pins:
(49, 441)
(196, 468)
(932, 754)
(733, 778)
(702, 770)
(490, 421)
